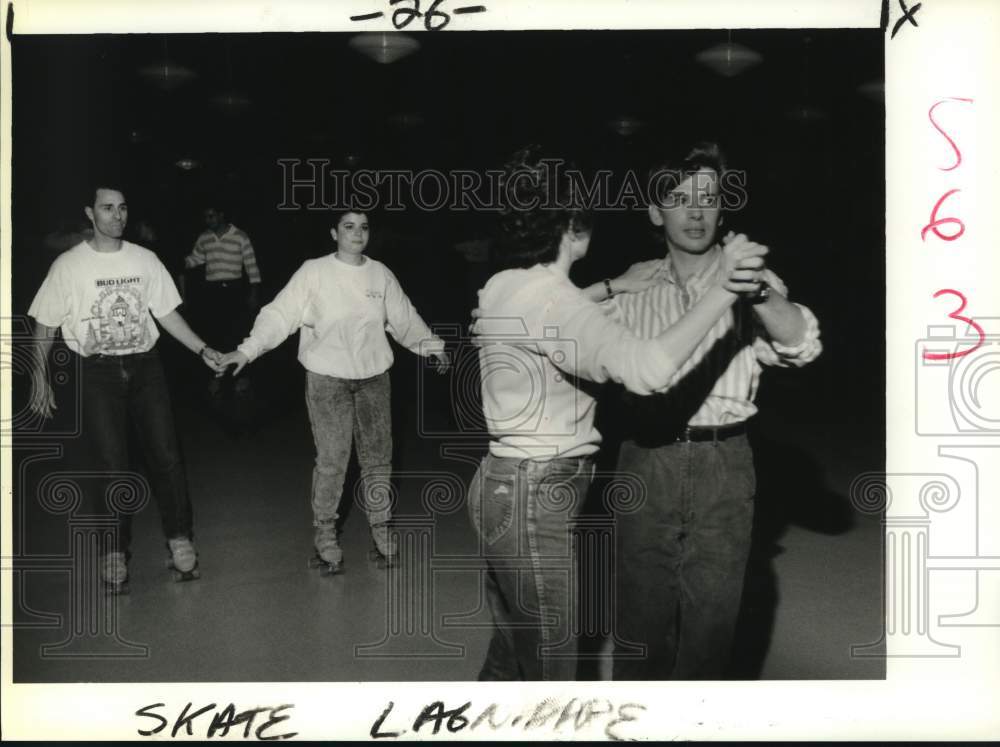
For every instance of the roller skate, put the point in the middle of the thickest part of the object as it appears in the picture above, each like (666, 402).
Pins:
(329, 558)
(384, 553)
(114, 573)
(183, 560)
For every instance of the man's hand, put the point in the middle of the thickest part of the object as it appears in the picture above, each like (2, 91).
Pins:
(213, 359)
(443, 361)
(235, 358)
(43, 400)
(742, 264)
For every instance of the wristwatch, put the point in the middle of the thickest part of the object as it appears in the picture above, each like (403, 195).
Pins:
(762, 294)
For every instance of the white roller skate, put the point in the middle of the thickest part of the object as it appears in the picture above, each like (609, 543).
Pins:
(329, 558)
(114, 573)
(385, 552)
(183, 560)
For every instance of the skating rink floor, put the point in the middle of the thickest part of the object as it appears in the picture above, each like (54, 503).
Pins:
(258, 613)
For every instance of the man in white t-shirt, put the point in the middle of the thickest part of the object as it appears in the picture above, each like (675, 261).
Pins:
(103, 294)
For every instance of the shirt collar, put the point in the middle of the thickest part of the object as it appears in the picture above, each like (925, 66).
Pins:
(699, 279)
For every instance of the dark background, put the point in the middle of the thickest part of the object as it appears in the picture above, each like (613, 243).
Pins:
(811, 142)
(816, 183)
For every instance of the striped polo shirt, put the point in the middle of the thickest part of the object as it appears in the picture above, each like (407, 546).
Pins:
(727, 363)
(225, 256)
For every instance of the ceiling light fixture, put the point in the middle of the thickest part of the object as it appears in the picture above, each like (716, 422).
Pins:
(384, 48)
(729, 59)
(167, 75)
(625, 125)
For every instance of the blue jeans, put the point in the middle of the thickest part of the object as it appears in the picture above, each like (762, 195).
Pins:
(118, 389)
(523, 512)
(342, 411)
(682, 557)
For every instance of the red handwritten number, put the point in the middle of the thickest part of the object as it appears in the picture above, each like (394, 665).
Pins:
(935, 221)
(930, 116)
(955, 315)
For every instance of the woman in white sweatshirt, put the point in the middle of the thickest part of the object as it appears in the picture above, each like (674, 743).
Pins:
(343, 304)
(539, 336)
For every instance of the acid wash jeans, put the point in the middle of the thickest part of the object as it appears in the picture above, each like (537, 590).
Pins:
(523, 512)
(342, 411)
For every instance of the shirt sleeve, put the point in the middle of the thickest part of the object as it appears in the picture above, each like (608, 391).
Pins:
(771, 353)
(404, 323)
(53, 303)
(581, 340)
(613, 310)
(197, 256)
(163, 295)
(250, 261)
(280, 318)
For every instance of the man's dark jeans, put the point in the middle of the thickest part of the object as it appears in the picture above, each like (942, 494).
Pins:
(682, 557)
(118, 389)
(523, 512)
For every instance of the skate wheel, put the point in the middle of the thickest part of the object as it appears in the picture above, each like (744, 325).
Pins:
(330, 569)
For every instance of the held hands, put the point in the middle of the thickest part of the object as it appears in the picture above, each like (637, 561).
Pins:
(742, 264)
(235, 358)
(213, 359)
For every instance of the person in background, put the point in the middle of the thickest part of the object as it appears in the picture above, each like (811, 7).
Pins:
(232, 282)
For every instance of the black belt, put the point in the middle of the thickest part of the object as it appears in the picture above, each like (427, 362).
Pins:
(711, 433)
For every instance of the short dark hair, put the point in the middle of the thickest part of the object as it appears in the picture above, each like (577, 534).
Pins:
(338, 213)
(532, 229)
(108, 182)
(675, 167)
(216, 206)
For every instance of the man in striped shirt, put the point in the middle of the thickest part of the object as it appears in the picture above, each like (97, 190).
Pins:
(227, 255)
(682, 555)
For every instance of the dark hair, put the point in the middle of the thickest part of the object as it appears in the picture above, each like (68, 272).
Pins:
(107, 182)
(217, 207)
(532, 223)
(339, 213)
(675, 167)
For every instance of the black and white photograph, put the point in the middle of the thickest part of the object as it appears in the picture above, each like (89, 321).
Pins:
(436, 355)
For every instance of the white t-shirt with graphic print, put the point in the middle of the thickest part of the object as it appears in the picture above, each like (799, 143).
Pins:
(104, 302)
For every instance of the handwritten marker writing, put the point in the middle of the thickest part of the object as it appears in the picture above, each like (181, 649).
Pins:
(435, 19)
(955, 315)
(935, 221)
(954, 147)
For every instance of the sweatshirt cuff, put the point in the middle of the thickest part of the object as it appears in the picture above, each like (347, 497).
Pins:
(250, 349)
